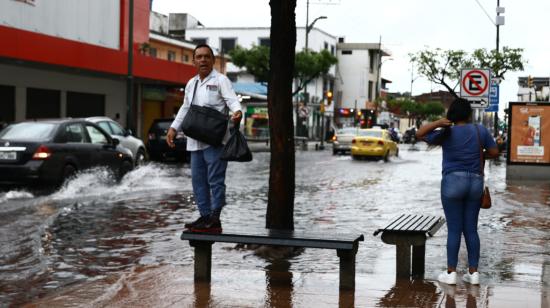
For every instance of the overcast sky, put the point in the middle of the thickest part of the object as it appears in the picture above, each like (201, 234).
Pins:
(405, 26)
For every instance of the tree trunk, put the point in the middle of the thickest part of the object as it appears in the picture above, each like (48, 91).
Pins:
(280, 204)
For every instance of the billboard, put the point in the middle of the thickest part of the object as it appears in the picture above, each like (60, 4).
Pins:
(529, 133)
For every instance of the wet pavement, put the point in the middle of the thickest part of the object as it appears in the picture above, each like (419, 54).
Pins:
(97, 243)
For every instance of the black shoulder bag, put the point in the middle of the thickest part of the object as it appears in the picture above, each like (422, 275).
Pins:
(236, 148)
(204, 124)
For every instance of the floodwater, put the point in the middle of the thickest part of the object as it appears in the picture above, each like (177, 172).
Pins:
(99, 243)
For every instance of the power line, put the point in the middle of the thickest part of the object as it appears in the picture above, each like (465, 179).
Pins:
(488, 16)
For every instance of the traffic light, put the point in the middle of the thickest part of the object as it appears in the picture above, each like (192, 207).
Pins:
(329, 97)
(529, 81)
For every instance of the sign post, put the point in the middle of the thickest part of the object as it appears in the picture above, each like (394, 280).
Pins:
(474, 86)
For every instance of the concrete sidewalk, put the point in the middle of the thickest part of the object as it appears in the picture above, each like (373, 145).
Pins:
(173, 286)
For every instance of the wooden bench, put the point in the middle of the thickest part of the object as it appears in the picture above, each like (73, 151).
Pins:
(406, 231)
(346, 246)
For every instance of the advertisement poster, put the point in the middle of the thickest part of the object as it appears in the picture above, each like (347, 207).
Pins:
(529, 133)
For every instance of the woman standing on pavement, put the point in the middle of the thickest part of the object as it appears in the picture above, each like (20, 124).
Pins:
(462, 182)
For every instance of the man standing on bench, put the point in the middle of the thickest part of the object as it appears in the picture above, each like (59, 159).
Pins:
(207, 170)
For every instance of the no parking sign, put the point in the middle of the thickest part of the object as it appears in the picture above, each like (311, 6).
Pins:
(474, 86)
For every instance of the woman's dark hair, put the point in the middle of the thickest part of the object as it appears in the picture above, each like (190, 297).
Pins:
(459, 111)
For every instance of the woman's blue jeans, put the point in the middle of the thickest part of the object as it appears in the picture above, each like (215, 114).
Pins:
(208, 179)
(461, 198)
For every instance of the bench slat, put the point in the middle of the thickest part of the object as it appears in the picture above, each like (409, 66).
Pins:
(413, 223)
(279, 238)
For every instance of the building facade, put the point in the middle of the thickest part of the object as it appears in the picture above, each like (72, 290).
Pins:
(71, 59)
(358, 83)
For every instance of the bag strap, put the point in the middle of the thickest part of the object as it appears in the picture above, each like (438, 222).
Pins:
(482, 161)
(194, 91)
(225, 109)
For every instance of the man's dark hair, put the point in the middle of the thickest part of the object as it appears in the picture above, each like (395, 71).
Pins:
(203, 46)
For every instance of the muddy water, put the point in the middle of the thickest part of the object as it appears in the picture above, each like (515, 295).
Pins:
(94, 238)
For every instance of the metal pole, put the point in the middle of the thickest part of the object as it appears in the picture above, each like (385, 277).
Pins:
(379, 65)
(495, 133)
(130, 76)
(322, 146)
(307, 22)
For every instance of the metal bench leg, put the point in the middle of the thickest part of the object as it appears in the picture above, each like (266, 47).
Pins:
(347, 268)
(203, 260)
(403, 260)
(418, 260)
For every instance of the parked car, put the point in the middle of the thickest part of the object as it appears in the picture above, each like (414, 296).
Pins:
(375, 143)
(341, 141)
(128, 141)
(47, 152)
(158, 148)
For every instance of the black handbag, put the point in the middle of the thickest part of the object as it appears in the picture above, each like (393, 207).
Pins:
(236, 148)
(204, 124)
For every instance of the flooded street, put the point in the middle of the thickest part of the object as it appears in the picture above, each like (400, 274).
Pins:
(93, 238)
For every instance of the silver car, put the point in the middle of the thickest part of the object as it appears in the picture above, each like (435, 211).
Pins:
(128, 141)
(341, 142)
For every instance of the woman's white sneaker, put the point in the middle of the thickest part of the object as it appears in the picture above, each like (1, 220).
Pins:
(471, 278)
(448, 278)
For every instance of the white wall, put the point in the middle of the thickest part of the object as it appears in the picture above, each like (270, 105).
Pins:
(247, 37)
(95, 22)
(22, 78)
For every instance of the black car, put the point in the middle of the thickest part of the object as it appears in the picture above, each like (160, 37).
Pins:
(47, 152)
(158, 148)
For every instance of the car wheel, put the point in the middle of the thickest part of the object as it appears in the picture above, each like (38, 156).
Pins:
(125, 167)
(334, 152)
(68, 172)
(387, 156)
(354, 157)
(140, 157)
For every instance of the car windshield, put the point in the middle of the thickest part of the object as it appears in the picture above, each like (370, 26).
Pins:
(370, 133)
(347, 131)
(28, 131)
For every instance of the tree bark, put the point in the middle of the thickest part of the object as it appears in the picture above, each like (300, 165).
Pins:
(280, 204)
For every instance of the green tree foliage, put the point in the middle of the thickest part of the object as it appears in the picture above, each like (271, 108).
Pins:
(308, 65)
(415, 110)
(255, 60)
(443, 67)
(509, 59)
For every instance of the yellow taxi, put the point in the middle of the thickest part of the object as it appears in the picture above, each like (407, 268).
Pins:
(372, 142)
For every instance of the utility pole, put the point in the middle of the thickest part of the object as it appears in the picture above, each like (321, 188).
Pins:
(498, 22)
(130, 76)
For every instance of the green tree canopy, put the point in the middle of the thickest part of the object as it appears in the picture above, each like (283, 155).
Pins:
(443, 67)
(308, 65)
(416, 110)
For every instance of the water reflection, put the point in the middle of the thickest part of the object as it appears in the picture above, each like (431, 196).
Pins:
(279, 284)
(410, 293)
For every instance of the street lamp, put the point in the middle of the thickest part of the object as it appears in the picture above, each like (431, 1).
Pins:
(310, 26)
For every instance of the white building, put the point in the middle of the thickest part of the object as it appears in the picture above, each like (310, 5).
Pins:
(358, 81)
(539, 90)
(223, 39)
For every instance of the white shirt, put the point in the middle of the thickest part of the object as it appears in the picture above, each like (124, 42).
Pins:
(215, 91)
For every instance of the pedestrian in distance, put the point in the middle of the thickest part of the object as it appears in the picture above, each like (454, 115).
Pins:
(461, 183)
(212, 89)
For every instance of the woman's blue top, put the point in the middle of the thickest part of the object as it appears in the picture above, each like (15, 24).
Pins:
(461, 147)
